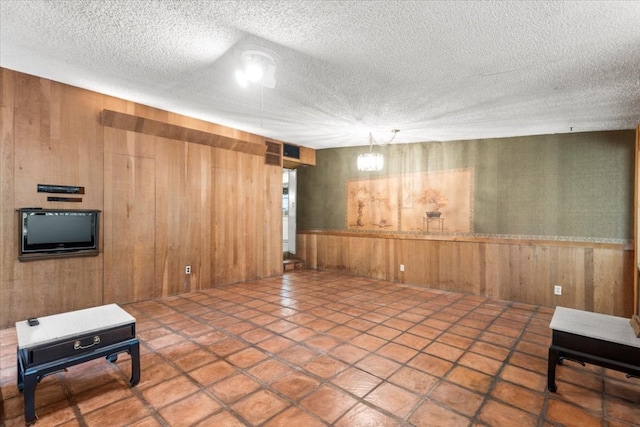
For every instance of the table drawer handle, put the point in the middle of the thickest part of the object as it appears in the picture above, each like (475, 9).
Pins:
(78, 345)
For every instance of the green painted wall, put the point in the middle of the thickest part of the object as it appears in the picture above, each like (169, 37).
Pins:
(573, 186)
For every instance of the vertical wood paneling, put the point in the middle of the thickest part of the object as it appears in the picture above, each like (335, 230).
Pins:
(119, 198)
(369, 257)
(636, 226)
(497, 270)
(170, 216)
(81, 134)
(471, 273)
(227, 227)
(307, 249)
(164, 203)
(575, 288)
(10, 295)
(129, 228)
(413, 253)
(449, 264)
(201, 233)
(271, 222)
(265, 225)
(596, 279)
(608, 280)
(629, 268)
(45, 147)
(247, 220)
(534, 274)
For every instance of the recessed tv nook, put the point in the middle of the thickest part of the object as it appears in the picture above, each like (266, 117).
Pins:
(52, 233)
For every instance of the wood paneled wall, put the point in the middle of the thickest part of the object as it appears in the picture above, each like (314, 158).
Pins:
(165, 203)
(594, 277)
(636, 226)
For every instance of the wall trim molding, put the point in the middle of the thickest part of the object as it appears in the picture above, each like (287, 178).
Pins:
(587, 242)
(147, 126)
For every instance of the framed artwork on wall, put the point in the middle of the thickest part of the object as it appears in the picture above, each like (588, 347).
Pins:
(424, 202)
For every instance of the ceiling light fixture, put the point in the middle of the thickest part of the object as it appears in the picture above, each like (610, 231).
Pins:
(372, 162)
(257, 66)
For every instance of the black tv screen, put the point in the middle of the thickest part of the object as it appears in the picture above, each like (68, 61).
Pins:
(58, 232)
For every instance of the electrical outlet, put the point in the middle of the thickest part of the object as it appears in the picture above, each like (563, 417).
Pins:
(557, 290)
(401, 267)
(187, 269)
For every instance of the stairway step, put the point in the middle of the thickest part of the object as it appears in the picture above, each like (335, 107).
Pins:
(292, 264)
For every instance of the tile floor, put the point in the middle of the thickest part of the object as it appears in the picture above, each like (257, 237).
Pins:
(318, 348)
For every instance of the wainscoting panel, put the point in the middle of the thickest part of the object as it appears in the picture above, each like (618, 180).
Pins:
(596, 277)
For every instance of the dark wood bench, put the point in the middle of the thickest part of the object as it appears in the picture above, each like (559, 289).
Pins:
(67, 339)
(598, 339)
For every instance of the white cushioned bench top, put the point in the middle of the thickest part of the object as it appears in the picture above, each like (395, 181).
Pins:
(71, 324)
(594, 325)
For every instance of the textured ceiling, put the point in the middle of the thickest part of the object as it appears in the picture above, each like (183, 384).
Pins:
(445, 70)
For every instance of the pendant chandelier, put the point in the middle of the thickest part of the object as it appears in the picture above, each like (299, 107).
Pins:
(372, 162)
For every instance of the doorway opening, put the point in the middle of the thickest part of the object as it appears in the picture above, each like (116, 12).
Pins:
(289, 187)
(288, 211)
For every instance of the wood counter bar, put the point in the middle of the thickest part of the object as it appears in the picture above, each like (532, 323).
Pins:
(63, 340)
(594, 338)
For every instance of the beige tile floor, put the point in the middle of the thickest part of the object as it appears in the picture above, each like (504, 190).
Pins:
(318, 348)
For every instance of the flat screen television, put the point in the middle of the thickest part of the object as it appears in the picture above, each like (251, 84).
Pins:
(47, 233)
